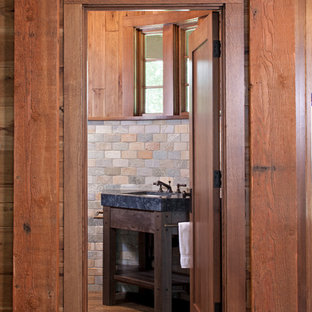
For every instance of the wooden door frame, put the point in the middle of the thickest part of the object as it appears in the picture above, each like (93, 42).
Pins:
(75, 147)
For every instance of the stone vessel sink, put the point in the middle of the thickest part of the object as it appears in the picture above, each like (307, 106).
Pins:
(146, 200)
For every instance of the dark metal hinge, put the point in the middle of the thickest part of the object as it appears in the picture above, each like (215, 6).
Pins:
(217, 307)
(217, 176)
(216, 48)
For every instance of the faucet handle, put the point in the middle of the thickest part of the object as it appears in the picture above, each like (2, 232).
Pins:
(178, 187)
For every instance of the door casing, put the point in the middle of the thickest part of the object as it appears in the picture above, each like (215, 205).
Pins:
(75, 147)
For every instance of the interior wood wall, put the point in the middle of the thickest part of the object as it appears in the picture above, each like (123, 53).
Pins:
(36, 156)
(278, 136)
(61, 159)
(308, 37)
(6, 151)
(105, 33)
(104, 64)
(6, 146)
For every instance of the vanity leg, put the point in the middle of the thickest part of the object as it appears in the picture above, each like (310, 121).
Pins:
(162, 263)
(143, 259)
(142, 250)
(109, 258)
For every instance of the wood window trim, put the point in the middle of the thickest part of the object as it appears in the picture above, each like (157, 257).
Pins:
(138, 118)
(139, 94)
(132, 84)
(170, 73)
(182, 68)
(171, 84)
(75, 272)
(161, 18)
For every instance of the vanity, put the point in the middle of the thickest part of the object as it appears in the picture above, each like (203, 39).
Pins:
(156, 213)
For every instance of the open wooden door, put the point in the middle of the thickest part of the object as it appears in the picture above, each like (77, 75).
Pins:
(205, 167)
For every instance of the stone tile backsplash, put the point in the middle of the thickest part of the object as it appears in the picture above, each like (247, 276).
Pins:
(130, 155)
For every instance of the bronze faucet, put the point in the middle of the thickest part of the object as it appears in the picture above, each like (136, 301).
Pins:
(161, 184)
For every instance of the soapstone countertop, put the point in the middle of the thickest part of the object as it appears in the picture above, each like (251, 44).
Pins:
(155, 201)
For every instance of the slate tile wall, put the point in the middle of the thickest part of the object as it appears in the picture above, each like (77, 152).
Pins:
(130, 155)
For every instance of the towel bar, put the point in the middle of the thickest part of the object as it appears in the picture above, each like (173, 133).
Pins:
(170, 225)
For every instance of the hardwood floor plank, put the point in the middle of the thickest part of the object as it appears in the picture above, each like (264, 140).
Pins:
(95, 305)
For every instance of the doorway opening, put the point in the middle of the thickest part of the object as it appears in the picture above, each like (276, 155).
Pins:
(134, 152)
(139, 115)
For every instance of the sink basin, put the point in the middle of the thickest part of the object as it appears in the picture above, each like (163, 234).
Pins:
(148, 193)
(146, 200)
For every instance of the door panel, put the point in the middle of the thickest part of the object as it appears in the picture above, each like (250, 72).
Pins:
(206, 272)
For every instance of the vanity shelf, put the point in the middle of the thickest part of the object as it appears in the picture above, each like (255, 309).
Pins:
(145, 279)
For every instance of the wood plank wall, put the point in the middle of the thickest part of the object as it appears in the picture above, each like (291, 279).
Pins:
(36, 156)
(6, 151)
(105, 89)
(75, 187)
(6, 144)
(105, 33)
(308, 154)
(61, 158)
(277, 136)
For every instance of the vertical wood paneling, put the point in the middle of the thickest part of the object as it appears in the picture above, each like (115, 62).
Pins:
(96, 64)
(127, 71)
(277, 136)
(6, 151)
(36, 180)
(113, 107)
(112, 20)
(308, 153)
(301, 151)
(61, 156)
(75, 168)
(234, 260)
(104, 64)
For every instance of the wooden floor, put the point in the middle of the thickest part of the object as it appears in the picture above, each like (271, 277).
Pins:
(95, 305)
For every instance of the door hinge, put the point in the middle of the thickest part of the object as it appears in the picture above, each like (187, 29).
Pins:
(217, 307)
(217, 176)
(216, 48)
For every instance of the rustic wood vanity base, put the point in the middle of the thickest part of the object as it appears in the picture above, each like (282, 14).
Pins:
(162, 225)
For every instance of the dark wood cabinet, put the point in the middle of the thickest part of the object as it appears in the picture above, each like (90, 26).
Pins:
(163, 225)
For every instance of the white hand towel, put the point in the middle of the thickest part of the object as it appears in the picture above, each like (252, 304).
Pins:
(186, 244)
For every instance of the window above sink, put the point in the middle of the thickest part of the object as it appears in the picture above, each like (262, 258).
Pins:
(137, 64)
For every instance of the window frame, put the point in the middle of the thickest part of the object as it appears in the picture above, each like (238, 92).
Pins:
(140, 69)
(173, 70)
(132, 71)
(183, 28)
